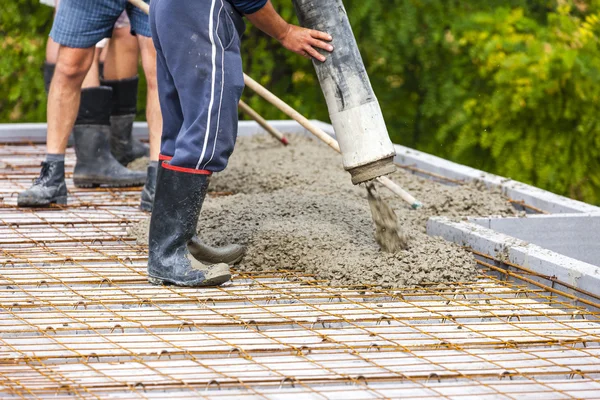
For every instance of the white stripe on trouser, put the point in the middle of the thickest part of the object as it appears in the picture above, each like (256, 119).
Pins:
(222, 87)
(212, 90)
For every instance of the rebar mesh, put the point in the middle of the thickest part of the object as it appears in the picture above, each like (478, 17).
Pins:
(78, 319)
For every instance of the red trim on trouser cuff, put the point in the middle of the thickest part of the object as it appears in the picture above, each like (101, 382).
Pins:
(164, 158)
(187, 170)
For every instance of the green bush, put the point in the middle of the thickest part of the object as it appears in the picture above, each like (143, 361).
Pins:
(508, 86)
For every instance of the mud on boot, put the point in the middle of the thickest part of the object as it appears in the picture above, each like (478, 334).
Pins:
(95, 165)
(177, 203)
(147, 199)
(124, 147)
(48, 188)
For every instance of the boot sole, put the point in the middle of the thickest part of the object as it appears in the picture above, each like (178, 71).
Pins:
(214, 281)
(28, 202)
(94, 183)
(220, 276)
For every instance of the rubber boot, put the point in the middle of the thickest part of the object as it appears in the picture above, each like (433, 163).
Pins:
(48, 71)
(229, 254)
(122, 144)
(96, 165)
(149, 188)
(48, 188)
(177, 203)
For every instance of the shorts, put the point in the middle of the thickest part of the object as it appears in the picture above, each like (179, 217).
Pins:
(83, 23)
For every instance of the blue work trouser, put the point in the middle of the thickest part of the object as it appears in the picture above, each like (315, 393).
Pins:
(200, 80)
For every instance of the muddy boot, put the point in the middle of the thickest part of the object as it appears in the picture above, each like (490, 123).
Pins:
(48, 71)
(48, 188)
(149, 187)
(177, 204)
(122, 144)
(95, 164)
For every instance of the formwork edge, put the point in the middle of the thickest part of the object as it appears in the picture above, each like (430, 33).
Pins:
(576, 273)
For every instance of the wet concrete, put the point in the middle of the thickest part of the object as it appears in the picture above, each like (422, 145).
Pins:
(296, 209)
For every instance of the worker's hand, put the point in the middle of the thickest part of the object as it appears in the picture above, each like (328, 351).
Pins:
(305, 41)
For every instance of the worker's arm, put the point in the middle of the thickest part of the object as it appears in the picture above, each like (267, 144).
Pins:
(297, 39)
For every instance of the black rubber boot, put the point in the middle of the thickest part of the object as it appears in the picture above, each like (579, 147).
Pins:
(177, 203)
(122, 144)
(48, 71)
(96, 166)
(149, 188)
(48, 188)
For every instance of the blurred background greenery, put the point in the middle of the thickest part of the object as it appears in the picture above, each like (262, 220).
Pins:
(507, 86)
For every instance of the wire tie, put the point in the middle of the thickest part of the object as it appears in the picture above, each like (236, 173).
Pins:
(287, 379)
(92, 355)
(82, 303)
(433, 375)
(140, 384)
(210, 383)
(505, 374)
(128, 259)
(164, 351)
(61, 387)
(252, 322)
(335, 296)
(360, 378)
(576, 372)
(9, 262)
(444, 343)
(184, 324)
(576, 313)
(105, 280)
(373, 345)
(300, 351)
(42, 282)
(117, 326)
(384, 318)
(211, 300)
(513, 316)
(51, 328)
(94, 241)
(232, 350)
(14, 305)
(446, 318)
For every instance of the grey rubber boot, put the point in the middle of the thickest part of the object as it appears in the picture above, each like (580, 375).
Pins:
(122, 144)
(149, 188)
(48, 188)
(177, 203)
(95, 165)
(229, 254)
(48, 71)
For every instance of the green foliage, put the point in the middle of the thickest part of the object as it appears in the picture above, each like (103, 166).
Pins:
(24, 26)
(509, 86)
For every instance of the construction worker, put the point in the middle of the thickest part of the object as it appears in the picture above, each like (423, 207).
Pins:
(200, 82)
(100, 116)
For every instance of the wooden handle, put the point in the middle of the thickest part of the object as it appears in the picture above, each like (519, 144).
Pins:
(290, 112)
(262, 122)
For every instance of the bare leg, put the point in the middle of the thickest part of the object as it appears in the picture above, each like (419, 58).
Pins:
(92, 79)
(153, 114)
(122, 55)
(51, 51)
(65, 92)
